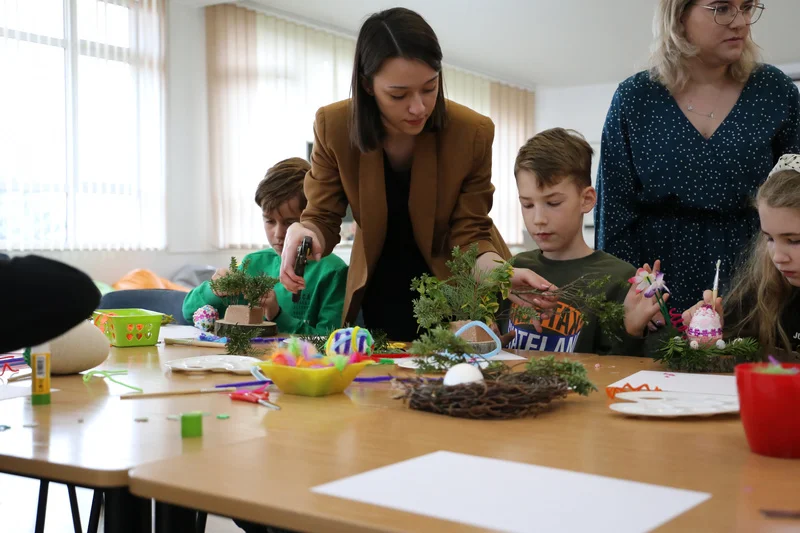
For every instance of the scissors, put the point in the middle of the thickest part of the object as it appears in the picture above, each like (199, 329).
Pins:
(259, 396)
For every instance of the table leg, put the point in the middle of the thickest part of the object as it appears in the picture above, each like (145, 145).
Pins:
(200, 525)
(94, 514)
(76, 512)
(125, 513)
(41, 510)
(174, 519)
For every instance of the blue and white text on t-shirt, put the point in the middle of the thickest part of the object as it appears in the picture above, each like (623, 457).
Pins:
(559, 332)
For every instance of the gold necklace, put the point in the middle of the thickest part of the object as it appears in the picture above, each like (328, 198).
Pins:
(691, 109)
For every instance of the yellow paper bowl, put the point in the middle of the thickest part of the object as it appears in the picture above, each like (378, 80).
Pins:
(311, 381)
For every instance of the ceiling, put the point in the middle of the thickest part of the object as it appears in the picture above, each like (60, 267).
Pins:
(541, 42)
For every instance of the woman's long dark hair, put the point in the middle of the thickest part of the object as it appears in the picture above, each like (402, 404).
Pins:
(396, 32)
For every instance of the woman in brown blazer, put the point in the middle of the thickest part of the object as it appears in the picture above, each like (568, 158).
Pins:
(415, 169)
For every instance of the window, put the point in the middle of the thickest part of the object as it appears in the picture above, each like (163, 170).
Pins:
(81, 147)
(268, 77)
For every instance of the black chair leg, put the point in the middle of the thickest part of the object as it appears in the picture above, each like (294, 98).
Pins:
(41, 510)
(200, 525)
(73, 505)
(94, 515)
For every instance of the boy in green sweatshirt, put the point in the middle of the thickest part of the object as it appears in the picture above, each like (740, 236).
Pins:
(281, 199)
(553, 172)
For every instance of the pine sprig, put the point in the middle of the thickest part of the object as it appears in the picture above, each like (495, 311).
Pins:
(573, 373)
(677, 354)
(464, 295)
(238, 287)
(439, 349)
(239, 341)
(587, 294)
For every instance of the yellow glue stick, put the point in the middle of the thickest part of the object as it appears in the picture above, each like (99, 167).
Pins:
(40, 366)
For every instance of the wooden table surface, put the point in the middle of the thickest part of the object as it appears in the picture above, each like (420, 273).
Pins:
(99, 451)
(312, 441)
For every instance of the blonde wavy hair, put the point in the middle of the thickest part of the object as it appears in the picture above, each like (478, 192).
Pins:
(671, 50)
(760, 293)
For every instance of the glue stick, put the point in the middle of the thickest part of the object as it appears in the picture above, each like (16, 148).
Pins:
(40, 366)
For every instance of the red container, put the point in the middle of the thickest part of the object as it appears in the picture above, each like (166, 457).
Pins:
(770, 410)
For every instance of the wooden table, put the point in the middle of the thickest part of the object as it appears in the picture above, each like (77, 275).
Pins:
(312, 441)
(88, 436)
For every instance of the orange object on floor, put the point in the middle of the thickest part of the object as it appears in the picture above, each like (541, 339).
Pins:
(146, 279)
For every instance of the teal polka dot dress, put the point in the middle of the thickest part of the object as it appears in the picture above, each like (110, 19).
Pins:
(666, 192)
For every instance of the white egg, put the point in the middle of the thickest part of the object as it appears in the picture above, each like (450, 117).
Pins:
(462, 373)
(81, 348)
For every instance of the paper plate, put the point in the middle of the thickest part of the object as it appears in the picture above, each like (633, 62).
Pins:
(674, 404)
(411, 364)
(234, 364)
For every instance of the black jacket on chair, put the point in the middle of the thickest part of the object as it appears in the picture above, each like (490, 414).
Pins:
(41, 299)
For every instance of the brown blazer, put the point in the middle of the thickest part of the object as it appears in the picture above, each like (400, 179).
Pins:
(449, 202)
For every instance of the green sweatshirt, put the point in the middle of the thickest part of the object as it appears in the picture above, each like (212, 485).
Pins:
(565, 332)
(320, 307)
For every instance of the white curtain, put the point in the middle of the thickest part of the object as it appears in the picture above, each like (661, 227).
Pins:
(511, 109)
(268, 77)
(82, 142)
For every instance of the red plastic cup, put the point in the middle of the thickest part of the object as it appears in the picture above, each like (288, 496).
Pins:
(770, 410)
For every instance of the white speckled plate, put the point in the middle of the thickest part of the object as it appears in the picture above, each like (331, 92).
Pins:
(234, 364)
(674, 404)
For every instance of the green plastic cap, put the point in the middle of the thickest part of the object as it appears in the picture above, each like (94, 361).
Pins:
(40, 399)
(192, 424)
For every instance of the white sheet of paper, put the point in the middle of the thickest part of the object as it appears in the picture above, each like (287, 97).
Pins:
(681, 382)
(506, 356)
(515, 497)
(17, 389)
(172, 331)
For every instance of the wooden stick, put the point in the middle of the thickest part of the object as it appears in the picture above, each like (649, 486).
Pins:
(194, 342)
(715, 290)
(136, 396)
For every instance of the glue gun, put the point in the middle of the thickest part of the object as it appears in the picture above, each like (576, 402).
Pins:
(303, 251)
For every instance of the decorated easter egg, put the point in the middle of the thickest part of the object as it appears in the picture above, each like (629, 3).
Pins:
(705, 327)
(349, 341)
(81, 348)
(205, 318)
(462, 373)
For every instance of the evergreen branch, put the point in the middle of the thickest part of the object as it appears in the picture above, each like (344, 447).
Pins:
(238, 286)
(439, 349)
(573, 373)
(465, 295)
(677, 354)
(239, 341)
(587, 294)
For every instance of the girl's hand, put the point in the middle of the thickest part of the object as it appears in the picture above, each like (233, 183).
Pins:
(707, 296)
(657, 320)
(639, 311)
(294, 237)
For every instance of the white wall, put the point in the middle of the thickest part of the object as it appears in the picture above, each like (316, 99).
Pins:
(582, 109)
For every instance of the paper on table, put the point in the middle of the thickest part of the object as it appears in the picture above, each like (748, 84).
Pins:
(506, 356)
(681, 382)
(513, 496)
(19, 389)
(173, 331)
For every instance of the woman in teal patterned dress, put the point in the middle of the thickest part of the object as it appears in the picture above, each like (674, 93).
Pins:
(686, 145)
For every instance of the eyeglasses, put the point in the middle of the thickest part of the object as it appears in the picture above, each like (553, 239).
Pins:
(725, 14)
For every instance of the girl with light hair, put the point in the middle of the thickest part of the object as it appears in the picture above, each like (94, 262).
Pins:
(686, 144)
(765, 299)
